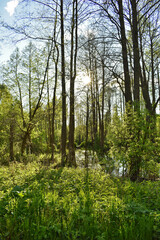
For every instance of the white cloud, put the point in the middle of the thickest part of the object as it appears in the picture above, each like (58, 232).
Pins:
(11, 5)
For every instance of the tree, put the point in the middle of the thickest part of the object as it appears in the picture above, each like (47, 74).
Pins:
(128, 96)
(9, 116)
(73, 71)
(64, 128)
(30, 125)
(55, 59)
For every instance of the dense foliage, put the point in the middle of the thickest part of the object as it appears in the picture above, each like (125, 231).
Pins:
(131, 138)
(38, 202)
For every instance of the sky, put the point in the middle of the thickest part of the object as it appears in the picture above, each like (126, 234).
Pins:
(7, 9)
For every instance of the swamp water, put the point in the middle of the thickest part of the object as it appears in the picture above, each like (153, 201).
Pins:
(108, 165)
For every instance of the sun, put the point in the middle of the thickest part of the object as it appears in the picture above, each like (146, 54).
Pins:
(86, 79)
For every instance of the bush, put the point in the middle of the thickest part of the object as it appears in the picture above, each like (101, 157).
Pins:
(151, 170)
(131, 142)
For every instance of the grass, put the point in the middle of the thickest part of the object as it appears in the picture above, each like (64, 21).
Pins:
(38, 202)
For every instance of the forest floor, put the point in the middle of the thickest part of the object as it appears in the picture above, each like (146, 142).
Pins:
(39, 202)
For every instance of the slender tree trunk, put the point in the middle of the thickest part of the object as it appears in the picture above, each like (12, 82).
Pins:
(11, 140)
(54, 105)
(20, 96)
(97, 101)
(49, 141)
(30, 81)
(152, 67)
(93, 110)
(73, 60)
(144, 83)
(64, 127)
(128, 95)
(25, 138)
(135, 54)
(87, 126)
(135, 160)
(55, 59)
(93, 97)
(158, 77)
(30, 93)
(103, 92)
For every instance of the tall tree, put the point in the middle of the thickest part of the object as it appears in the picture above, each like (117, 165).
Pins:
(128, 96)
(73, 71)
(64, 127)
(55, 59)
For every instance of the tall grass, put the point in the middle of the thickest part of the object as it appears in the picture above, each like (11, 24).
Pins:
(44, 203)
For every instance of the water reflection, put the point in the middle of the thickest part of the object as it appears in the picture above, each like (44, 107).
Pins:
(110, 166)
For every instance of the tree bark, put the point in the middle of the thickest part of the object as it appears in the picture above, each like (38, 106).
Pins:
(73, 61)
(87, 127)
(54, 105)
(152, 67)
(145, 90)
(11, 140)
(136, 57)
(103, 92)
(64, 127)
(55, 59)
(128, 95)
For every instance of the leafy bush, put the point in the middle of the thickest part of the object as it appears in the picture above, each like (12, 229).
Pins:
(132, 144)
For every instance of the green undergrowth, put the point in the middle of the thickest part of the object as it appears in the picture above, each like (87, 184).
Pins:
(38, 203)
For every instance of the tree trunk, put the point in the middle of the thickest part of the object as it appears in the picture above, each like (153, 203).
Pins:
(158, 77)
(56, 50)
(103, 92)
(136, 57)
(30, 91)
(128, 95)
(87, 126)
(11, 140)
(136, 160)
(49, 141)
(25, 138)
(64, 128)
(152, 70)
(73, 61)
(144, 83)
(54, 105)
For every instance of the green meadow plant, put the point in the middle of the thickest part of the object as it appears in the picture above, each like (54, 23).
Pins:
(38, 202)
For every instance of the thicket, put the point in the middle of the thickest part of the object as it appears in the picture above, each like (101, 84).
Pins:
(134, 143)
(38, 202)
